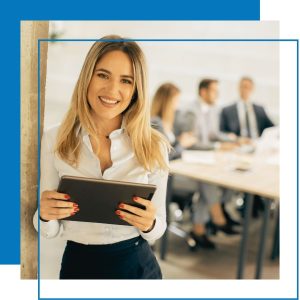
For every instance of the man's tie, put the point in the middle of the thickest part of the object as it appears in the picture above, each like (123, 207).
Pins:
(247, 121)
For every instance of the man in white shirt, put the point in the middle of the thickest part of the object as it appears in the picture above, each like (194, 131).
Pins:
(202, 119)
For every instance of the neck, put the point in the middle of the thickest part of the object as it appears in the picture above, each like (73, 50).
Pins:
(202, 100)
(167, 121)
(106, 126)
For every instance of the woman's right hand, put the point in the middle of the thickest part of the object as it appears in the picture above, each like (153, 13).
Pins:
(54, 206)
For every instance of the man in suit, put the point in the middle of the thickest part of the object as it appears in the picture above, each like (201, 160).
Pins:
(244, 118)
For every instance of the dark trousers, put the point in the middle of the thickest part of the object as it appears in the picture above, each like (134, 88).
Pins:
(130, 259)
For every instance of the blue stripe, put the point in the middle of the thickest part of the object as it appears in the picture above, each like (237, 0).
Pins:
(10, 146)
(137, 10)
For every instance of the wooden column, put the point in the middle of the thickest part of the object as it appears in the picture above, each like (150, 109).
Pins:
(30, 33)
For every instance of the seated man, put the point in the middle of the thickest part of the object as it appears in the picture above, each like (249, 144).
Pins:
(244, 118)
(202, 119)
(247, 121)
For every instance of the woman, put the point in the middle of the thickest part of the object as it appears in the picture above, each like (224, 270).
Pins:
(163, 109)
(106, 134)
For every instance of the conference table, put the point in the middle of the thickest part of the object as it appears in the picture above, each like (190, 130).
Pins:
(247, 173)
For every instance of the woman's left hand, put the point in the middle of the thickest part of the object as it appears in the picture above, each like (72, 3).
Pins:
(143, 219)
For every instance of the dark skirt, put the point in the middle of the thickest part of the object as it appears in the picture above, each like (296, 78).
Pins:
(130, 259)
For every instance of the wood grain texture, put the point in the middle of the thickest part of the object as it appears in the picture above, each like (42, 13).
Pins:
(30, 33)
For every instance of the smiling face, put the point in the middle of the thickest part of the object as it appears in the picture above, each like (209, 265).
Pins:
(112, 86)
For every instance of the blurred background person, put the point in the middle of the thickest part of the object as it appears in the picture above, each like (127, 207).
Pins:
(248, 121)
(245, 118)
(202, 118)
(164, 105)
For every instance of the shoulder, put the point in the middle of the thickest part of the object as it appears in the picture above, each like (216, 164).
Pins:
(50, 135)
(156, 122)
(229, 108)
(258, 107)
(193, 107)
(187, 114)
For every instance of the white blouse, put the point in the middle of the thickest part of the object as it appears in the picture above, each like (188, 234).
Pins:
(125, 167)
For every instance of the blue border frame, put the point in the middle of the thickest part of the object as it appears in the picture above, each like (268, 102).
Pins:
(171, 40)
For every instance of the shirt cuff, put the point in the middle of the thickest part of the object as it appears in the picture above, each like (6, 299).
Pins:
(156, 232)
(48, 229)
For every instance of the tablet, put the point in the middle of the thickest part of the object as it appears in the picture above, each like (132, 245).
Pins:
(98, 199)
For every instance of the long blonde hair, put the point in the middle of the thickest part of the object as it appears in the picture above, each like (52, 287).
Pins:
(147, 143)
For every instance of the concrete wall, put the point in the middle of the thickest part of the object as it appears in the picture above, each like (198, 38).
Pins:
(30, 33)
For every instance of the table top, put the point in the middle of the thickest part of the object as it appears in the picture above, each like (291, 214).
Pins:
(261, 179)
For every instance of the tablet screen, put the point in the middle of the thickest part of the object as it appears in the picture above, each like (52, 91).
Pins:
(98, 199)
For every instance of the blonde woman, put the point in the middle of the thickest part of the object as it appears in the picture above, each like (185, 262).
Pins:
(106, 134)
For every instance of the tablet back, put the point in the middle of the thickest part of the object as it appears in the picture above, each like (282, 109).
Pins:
(99, 199)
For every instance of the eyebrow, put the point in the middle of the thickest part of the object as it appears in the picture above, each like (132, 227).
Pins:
(108, 72)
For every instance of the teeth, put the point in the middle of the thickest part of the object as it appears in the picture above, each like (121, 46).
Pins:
(108, 101)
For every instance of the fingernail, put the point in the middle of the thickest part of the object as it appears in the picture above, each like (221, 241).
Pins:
(135, 198)
(72, 214)
(118, 212)
(76, 209)
(122, 217)
(121, 205)
(67, 197)
(75, 205)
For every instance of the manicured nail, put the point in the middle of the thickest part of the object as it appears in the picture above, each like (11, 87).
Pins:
(72, 214)
(76, 209)
(122, 217)
(135, 198)
(67, 197)
(121, 205)
(75, 205)
(118, 212)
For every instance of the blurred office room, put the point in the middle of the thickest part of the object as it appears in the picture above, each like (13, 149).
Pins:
(249, 170)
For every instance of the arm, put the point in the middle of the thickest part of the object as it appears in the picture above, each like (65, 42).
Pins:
(203, 146)
(184, 122)
(223, 123)
(267, 120)
(49, 180)
(151, 222)
(160, 179)
(177, 149)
